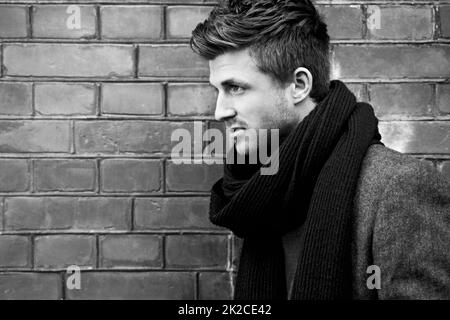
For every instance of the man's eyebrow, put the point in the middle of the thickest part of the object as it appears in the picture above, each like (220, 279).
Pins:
(231, 81)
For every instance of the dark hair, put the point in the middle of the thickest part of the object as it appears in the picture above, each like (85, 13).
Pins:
(281, 35)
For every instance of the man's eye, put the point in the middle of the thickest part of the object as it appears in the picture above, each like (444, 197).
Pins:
(235, 89)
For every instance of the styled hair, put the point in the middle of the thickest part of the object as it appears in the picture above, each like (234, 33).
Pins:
(281, 36)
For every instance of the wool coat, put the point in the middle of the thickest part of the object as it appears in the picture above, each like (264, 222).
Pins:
(400, 224)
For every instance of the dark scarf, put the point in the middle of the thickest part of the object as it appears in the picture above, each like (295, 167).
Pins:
(319, 164)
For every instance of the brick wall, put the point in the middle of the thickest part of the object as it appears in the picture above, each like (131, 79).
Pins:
(86, 115)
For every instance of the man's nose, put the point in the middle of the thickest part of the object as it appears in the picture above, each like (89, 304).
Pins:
(224, 110)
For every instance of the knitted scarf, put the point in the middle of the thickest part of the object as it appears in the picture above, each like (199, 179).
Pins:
(319, 164)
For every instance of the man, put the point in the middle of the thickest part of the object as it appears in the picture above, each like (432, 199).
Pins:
(341, 203)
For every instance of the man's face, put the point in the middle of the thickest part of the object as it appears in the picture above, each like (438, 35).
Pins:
(248, 99)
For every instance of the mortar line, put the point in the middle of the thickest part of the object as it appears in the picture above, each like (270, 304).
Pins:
(165, 98)
(1, 60)
(365, 30)
(156, 232)
(212, 3)
(30, 170)
(136, 61)
(98, 25)
(188, 80)
(33, 99)
(72, 134)
(3, 210)
(132, 218)
(63, 285)
(30, 12)
(32, 253)
(196, 285)
(435, 22)
(164, 22)
(184, 42)
(97, 251)
(164, 176)
(99, 100)
(86, 269)
(33, 175)
(97, 175)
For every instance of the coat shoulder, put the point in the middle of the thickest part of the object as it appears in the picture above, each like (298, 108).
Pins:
(383, 168)
(382, 163)
(401, 215)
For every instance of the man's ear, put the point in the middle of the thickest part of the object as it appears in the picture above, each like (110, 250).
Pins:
(302, 84)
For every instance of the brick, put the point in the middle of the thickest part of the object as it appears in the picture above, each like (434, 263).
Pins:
(68, 60)
(137, 22)
(191, 99)
(445, 169)
(425, 137)
(214, 286)
(30, 286)
(172, 213)
(343, 22)
(65, 99)
(126, 136)
(392, 62)
(67, 213)
(192, 177)
(15, 98)
(181, 20)
(58, 21)
(65, 175)
(14, 175)
(443, 99)
(170, 61)
(130, 251)
(34, 136)
(407, 99)
(444, 12)
(103, 213)
(403, 23)
(13, 21)
(206, 251)
(135, 98)
(14, 251)
(130, 175)
(135, 286)
(61, 251)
